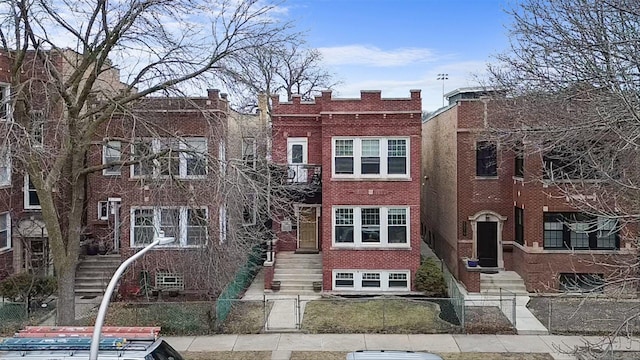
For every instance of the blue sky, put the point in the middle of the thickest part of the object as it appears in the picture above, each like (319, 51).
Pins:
(398, 45)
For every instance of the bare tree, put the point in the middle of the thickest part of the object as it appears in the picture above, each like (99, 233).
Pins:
(283, 69)
(62, 74)
(572, 108)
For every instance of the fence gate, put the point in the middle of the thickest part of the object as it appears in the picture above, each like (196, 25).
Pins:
(282, 313)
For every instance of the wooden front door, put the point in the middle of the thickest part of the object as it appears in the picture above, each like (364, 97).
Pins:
(308, 228)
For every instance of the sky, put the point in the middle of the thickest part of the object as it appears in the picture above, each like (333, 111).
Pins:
(398, 45)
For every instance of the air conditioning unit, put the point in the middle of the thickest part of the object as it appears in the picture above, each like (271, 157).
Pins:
(169, 281)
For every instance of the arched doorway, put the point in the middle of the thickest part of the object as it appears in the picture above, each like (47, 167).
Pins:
(487, 228)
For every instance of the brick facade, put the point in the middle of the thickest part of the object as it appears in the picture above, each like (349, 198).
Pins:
(455, 200)
(320, 122)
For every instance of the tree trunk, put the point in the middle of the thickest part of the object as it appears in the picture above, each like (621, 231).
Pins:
(66, 296)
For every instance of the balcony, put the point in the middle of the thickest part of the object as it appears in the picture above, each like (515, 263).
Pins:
(304, 174)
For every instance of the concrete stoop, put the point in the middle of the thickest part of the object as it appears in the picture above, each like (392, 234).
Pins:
(94, 273)
(297, 272)
(502, 282)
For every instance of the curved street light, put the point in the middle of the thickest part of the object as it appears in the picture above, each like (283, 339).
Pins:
(102, 312)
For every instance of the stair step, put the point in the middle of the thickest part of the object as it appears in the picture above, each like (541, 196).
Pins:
(300, 277)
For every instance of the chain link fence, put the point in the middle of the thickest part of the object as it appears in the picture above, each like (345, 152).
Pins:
(16, 315)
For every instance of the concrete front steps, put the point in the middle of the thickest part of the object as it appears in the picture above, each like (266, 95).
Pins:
(94, 273)
(297, 272)
(509, 282)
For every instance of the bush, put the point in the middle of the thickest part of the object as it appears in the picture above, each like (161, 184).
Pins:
(24, 286)
(430, 280)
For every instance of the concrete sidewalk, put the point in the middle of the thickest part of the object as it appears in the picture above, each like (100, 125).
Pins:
(281, 345)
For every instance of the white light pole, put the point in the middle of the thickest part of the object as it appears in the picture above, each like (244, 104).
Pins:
(102, 312)
(443, 77)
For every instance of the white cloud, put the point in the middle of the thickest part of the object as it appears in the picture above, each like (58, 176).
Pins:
(374, 56)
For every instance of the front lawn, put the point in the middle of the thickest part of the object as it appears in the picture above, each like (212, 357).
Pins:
(397, 316)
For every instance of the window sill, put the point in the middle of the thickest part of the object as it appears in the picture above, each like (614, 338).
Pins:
(369, 247)
(5, 250)
(578, 251)
(487, 177)
(402, 179)
(5, 186)
(518, 178)
(112, 175)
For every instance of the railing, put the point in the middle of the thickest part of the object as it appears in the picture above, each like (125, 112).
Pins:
(304, 174)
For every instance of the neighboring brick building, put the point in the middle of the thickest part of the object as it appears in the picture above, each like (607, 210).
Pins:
(7, 180)
(364, 154)
(481, 202)
(175, 192)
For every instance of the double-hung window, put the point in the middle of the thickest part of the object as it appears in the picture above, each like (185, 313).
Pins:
(111, 154)
(187, 225)
(580, 231)
(5, 231)
(5, 102)
(31, 200)
(181, 158)
(37, 127)
(486, 159)
(249, 211)
(371, 280)
(249, 152)
(370, 226)
(5, 166)
(368, 157)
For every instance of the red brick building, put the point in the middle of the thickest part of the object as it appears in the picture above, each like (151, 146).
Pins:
(176, 150)
(485, 203)
(7, 179)
(364, 154)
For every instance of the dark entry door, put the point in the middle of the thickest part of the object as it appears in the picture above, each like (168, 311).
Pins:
(488, 244)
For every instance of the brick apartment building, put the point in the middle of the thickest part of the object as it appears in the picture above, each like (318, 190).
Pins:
(481, 202)
(7, 181)
(363, 155)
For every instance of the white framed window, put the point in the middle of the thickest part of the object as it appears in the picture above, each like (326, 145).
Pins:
(369, 157)
(103, 210)
(189, 226)
(111, 153)
(31, 200)
(182, 158)
(5, 102)
(37, 127)
(223, 223)
(5, 166)
(371, 280)
(5, 231)
(369, 226)
(249, 152)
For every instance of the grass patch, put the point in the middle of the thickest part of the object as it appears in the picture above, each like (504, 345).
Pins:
(246, 317)
(396, 316)
(189, 318)
(228, 355)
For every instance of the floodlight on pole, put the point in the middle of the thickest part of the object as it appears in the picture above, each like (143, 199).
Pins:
(102, 312)
(443, 77)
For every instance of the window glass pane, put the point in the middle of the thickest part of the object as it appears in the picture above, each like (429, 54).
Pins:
(5, 166)
(398, 280)
(370, 148)
(397, 234)
(170, 222)
(297, 155)
(371, 280)
(344, 147)
(486, 159)
(370, 225)
(170, 161)
(143, 231)
(344, 165)
(344, 234)
(370, 165)
(344, 279)
(4, 231)
(397, 220)
(607, 233)
(344, 225)
(397, 165)
(141, 150)
(344, 216)
(397, 148)
(196, 157)
(579, 235)
(196, 226)
(33, 195)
